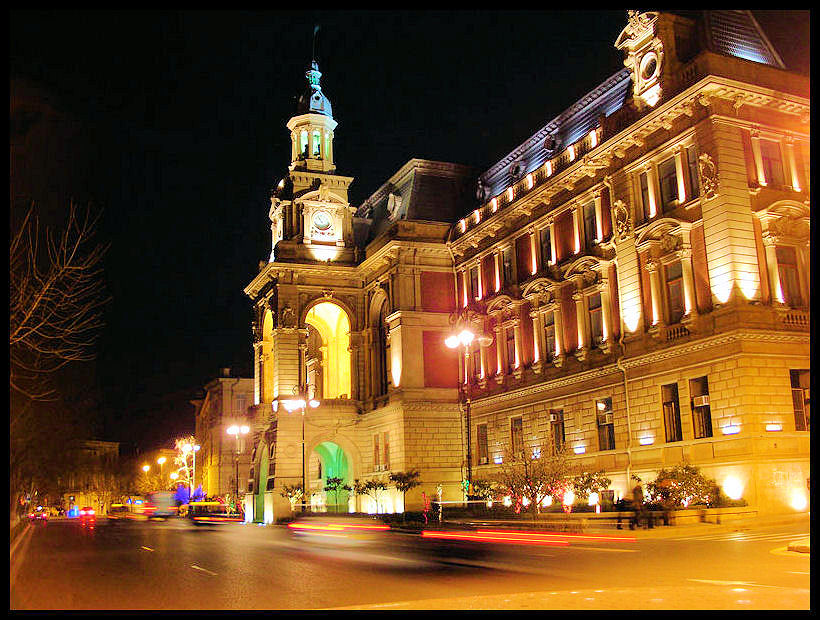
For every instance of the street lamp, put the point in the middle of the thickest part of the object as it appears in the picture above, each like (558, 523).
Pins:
(463, 335)
(236, 431)
(294, 404)
(160, 461)
(145, 468)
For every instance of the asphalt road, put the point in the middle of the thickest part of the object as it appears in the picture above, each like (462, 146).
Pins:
(172, 565)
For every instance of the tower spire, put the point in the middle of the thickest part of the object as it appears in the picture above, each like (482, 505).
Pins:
(313, 51)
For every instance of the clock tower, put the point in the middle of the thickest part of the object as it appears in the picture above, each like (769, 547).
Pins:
(311, 218)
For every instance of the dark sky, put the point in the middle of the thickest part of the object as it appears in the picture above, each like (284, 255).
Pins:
(185, 114)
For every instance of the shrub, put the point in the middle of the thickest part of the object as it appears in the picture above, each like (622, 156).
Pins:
(680, 486)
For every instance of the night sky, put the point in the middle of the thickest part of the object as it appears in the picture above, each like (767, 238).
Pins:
(178, 132)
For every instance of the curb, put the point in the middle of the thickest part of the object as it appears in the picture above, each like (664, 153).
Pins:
(800, 546)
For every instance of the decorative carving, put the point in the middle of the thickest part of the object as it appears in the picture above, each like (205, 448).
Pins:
(790, 227)
(707, 173)
(669, 243)
(394, 206)
(623, 223)
(287, 317)
(481, 190)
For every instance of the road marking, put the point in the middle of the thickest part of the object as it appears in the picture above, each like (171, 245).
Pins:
(204, 570)
(736, 583)
(147, 548)
(799, 572)
(20, 538)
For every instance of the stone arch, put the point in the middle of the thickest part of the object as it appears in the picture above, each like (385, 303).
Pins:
(380, 343)
(266, 357)
(584, 264)
(339, 457)
(333, 322)
(260, 482)
(657, 229)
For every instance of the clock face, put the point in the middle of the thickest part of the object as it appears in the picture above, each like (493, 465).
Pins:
(321, 221)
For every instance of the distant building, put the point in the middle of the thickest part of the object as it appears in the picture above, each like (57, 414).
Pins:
(92, 478)
(638, 269)
(225, 403)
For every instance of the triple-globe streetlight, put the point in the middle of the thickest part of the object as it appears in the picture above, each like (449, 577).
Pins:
(237, 430)
(462, 335)
(301, 402)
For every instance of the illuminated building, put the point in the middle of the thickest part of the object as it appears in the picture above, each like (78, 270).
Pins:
(225, 402)
(641, 262)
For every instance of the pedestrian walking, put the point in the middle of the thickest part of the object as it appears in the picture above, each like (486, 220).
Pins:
(637, 502)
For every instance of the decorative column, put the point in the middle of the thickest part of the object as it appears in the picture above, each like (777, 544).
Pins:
(496, 262)
(519, 362)
(580, 318)
(792, 163)
(606, 311)
(599, 222)
(500, 344)
(655, 287)
(576, 228)
(679, 154)
(553, 253)
(776, 291)
(481, 286)
(483, 354)
(464, 275)
(257, 378)
(652, 189)
(761, 175)
(685, 256)
(533, 254)
(558, 325)
(537, 339)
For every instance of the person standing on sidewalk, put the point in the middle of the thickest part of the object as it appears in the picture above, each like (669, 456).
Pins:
(637, 501)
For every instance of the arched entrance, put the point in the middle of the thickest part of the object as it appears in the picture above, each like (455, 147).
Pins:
(328, 362)
(328, 460)
(260, 484)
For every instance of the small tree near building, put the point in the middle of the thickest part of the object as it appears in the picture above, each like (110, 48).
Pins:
(586, 483)
(405, 481)
(681, 486)
(336, 484)
(293, 493)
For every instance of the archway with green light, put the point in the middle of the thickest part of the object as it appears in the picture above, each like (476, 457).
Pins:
(334, 464)
(261, 484)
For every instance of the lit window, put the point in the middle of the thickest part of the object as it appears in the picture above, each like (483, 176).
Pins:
(671, 412)
(692, 165)
(376, 453)
(643, 180)
(304, 147)
(386, 446)
(510, 342)
(772, 163)
(557, 425)
(481, 448)
(549, 334)
(667, 176)
(789, 278)
(546, 247)
(590, 231)
(517, 435)
(506, 259)
(800, 399)
(317, 144)
(701, 413)
(595, 319)
(674, 289)
(606, 424)
(474, 283)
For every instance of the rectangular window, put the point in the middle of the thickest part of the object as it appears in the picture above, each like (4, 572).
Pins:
(800, 399)
(590, 229)
(240, 403)
(546, 248)
(789, 278)
(772, 163)
(510, 342)
(517, 435)
(376, 453)
(701, 413)
(474, 283)
(557, 426)
(475, 361)
(671, 412)
(643, 180)
(506, 259)
(668, 178)
(692, 165)
(606, 424)
(596, 326)
(549, 335)
(674, 291)
(317, 144)
(481, 447)
(386, 446)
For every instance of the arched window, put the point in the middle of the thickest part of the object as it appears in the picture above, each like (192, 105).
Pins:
(333, 326)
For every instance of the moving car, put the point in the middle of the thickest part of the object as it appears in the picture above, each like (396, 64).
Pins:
(87, 515)
(339, 530)
(39, 514)
(211, 513)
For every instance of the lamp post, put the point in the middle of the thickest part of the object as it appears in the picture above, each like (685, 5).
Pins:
(237, 430)
(463, 335)
(300, 402)
(160, 461)
(193, 476)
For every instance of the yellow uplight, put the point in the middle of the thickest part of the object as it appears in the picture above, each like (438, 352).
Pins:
(733, 487)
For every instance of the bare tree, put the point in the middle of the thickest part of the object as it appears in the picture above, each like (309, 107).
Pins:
(56, 299)
(535, 474)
